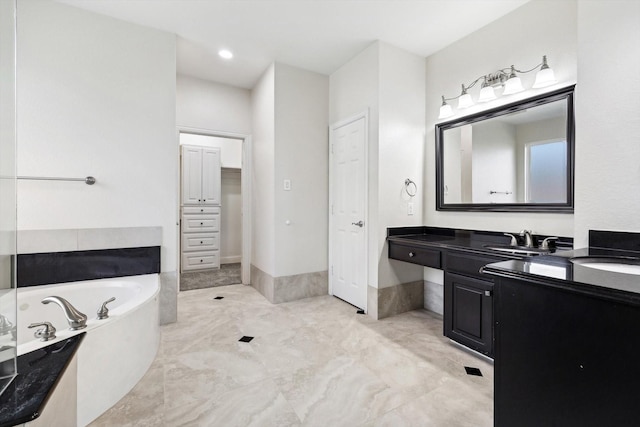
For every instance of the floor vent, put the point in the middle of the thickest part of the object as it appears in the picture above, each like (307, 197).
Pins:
(473, 371)
(245, 339)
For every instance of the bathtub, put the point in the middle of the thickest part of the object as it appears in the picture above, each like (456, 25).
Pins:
(116, 352)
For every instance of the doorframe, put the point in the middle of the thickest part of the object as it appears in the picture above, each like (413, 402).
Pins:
(361, 115)
(245, 188)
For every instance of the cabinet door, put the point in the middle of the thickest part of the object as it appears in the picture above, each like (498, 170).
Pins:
(191, 175)
(468, 312)
(211, 176)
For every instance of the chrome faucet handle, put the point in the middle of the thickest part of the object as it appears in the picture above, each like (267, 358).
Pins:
(103, 312)
(45, 334)
(514, 241)
(545, 242)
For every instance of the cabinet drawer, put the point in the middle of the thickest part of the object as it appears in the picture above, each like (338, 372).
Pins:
(200, 260)
(469, 264)
(422, 256)
(195, 223)
(200, 241)
(199, 210)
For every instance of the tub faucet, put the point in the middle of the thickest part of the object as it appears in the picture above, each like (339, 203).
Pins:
(76, 319)
(528, 238)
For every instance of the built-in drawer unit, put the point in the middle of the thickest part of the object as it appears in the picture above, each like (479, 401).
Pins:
(200, 242)
(200, 260)
(415, 255)
(197, 210)
(200, 223)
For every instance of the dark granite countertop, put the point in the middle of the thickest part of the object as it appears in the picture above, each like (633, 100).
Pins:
(554, 269)
(38, 374)
(463, 240)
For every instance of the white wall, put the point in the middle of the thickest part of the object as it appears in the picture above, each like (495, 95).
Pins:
(263, 177)
(96, 97)
(302, 156)
(607, 118)
(388, 83)
(539, 27)
(212, 106)
(400, 153)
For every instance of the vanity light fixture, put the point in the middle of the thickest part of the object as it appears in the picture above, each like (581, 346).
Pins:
(506, 78)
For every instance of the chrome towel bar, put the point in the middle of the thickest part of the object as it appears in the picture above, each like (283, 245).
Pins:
(88, 180)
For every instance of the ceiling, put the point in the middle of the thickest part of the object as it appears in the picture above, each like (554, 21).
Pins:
(316, 35)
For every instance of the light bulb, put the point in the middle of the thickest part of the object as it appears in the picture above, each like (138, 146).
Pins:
(445, 110)
(545, 77)
(464, 100)
(486, 93)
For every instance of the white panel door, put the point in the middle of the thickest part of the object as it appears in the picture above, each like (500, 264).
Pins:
(211, 176)
(348, 258)
(191, 175)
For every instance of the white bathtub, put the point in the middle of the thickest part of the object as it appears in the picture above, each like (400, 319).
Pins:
(116, 352)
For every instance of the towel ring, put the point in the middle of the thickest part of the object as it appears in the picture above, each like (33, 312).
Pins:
(407, 184)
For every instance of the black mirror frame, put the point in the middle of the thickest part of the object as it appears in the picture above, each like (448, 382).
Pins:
(567, 94)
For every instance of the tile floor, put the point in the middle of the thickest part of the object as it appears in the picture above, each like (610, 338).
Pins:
(312, 362)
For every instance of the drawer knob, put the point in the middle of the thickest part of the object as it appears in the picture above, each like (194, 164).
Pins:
(411, 254)
(487, 293)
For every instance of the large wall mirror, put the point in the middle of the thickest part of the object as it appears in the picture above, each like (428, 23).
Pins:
(514, 158)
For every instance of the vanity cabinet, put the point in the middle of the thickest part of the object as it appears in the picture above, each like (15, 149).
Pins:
(200, 220)
(468, 300)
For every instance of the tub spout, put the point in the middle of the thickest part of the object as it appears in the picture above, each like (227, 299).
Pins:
(76, 319)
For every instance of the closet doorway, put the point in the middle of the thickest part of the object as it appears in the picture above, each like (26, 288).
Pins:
(214, 209)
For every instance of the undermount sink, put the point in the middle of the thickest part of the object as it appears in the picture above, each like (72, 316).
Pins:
(517, 250)
(625, 265)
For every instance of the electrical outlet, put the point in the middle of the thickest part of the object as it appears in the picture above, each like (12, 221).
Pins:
(410, 208)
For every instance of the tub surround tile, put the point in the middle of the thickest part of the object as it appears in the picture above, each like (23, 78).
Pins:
(168, 297)
(62, 267)
(110, 238)
(40, 241)
(66, 240)
(39, 370)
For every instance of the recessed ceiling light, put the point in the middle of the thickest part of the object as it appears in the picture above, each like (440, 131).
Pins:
(226, 54)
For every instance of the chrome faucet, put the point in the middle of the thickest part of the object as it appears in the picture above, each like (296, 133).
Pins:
(76, 319)
(528, 238)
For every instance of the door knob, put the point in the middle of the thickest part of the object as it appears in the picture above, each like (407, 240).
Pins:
(359, 223)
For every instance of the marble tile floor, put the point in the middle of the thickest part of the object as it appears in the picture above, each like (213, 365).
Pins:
(227, 274)
(312, 362)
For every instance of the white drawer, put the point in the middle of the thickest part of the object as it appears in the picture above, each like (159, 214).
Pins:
(200, 260)
(200, 241)
(200, 223)
(197, 210)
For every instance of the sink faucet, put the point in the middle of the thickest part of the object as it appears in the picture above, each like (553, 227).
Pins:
(528, 238)
(76, 319)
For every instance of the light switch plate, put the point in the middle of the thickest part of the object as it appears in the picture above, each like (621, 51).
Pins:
(410, 208)
(287, 185)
